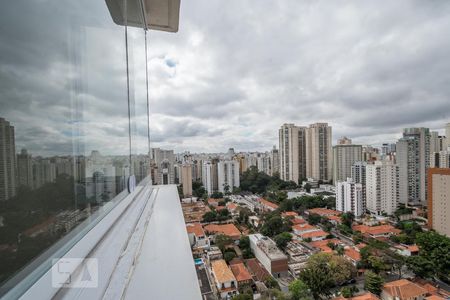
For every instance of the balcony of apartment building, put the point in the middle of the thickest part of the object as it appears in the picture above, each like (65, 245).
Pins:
(79, 217)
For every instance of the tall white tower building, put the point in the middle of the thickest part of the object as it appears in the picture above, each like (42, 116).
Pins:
(319, 155)
(349, 197)
(413, 159)
(382, 184)
(292, 152)
(228, 175)
(344, 156)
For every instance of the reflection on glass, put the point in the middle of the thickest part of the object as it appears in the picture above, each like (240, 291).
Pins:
(64, 122)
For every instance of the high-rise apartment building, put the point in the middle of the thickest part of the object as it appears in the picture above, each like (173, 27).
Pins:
(275, 161)
(186, 179)
(292, 152)
(349, 197)
(413, 159)
(382, 184)
(207, 177)
(440, 159)
(164, 163)
(344, 156)
(344, 141)
(8, 165)
(358, 174)
(318, 152)
(447, 137)
(439, 200)
(227, 175)
(24, 169)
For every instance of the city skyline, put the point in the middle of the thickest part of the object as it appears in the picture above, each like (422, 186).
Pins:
(360, 67)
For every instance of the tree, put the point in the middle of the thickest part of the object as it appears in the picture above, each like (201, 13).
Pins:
(243, 297)
(373, 282)
(314, 219)
(209, 216)
(434, 255)
(307, 187)
(299, 290)
(347, 219)
(197, 189)
(283, 239)
(217, 195)
(421, 266)
(222, 241)
(324, 271)
(340, 250)
(347, 292)
(271, 283)
(228, 256)
(274, 224)
(376, 264)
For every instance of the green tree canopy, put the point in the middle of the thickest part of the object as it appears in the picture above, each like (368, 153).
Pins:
(282, 239)
(373, 282)
(299, 290)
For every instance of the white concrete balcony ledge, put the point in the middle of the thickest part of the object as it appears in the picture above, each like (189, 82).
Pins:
(142, 250)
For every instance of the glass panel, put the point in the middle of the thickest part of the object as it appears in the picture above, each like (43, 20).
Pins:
(64, 123)
(138, 103)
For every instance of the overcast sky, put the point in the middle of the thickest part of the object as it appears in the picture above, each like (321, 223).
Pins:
(233, 74)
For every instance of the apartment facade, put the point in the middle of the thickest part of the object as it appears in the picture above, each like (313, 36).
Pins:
(186, 179)
(227, 175)
(382, 187)
(344, 156)
(8, 163)
(292, 152)
(349, 197)
(439, 200)
(319, 157)
(267, 252)
(413, 159)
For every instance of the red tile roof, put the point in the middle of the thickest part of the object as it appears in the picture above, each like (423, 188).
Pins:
(255, 267)
(267, 203)
(352, 254)
(376, 230)
(365, 296)
(196, 229)
(289, 214)
(403, 289)
(324, 211)
(313, 234)
(240, 272)
(226, 229)
(304, 227)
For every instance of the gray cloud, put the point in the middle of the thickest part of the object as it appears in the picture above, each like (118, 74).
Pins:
(229, 78)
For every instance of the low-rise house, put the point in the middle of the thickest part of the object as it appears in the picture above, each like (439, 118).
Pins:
(214, 202)
(323, 212)
(365, 296)
(197, 236)
(226, 229)
(384, 231)
(243, 276)
(335, 220)
(267, 252)
(288, 214)
(257, 270)
(402, 289)
(303, 228)
(314, 235)
(224, 279)
(254, 220)
(214, 253)
(322, 245)
(267, 205)
(352, 255)
(232, 208)
(406, 250)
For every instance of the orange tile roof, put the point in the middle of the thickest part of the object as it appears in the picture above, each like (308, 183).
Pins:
(313, 234)
(434, 297)
(220, 208)
(226, 229)
(403, 289)
(240, 272)
(231, 206)
(334, 218)
(352, 253)
(196, 229)
(297, 221)
(413, 248)
(321, 243)
(289, 214)
(304, 227)
(360, 245)
(365, 296)
(323, 211)
(221, 271)
(267, 203)
(257, 269)
(375, 230)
